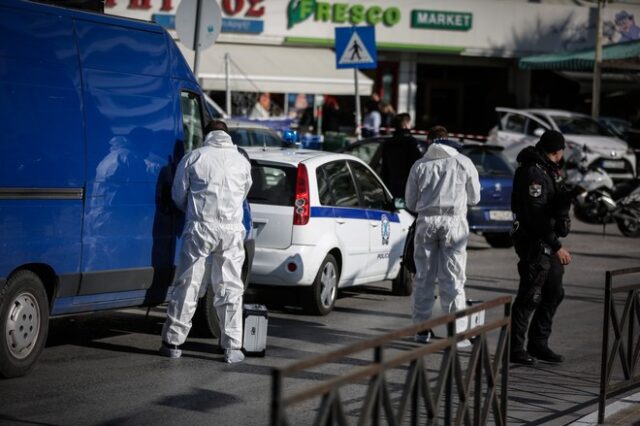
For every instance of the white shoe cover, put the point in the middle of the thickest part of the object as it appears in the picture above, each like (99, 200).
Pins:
(233, 356)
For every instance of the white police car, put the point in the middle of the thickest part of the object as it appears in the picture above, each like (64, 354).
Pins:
(325, 221)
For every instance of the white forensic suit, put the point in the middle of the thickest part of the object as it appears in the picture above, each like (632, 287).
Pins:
(440, 186)
(210, 185)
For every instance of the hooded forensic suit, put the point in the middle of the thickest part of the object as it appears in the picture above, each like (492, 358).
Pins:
(210, 185)
(440, 186)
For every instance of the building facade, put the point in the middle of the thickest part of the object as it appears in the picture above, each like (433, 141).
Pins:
(444, 61)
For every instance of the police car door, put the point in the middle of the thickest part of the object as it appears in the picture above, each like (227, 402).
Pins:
(385, 232)
(351, 222)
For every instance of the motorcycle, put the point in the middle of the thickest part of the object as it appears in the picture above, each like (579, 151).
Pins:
(604, 202)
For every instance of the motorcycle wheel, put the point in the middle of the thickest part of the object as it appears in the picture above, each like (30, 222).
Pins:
(630, 227)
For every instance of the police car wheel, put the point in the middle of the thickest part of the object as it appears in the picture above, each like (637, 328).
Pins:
(24, 321)
(402, 285)
(205, 320)
(325, 287)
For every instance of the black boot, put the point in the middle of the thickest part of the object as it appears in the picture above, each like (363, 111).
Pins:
(522, 357)
(543, 353)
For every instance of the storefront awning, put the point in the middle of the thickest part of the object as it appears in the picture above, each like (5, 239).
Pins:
(278, 69)
(614, 56)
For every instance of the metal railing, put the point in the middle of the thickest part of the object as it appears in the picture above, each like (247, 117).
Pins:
(626, 346)
(476, 396)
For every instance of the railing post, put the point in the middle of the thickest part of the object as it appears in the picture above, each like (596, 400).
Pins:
(480, 340)
(505, 365)
(377, 358)
(632, 317)
(276, 398)
(605, 348)
(448, 397)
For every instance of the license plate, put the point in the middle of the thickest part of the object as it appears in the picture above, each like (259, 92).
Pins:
(500, 215)
(613, 164)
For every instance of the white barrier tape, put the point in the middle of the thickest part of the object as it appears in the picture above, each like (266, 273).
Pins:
(453, 135)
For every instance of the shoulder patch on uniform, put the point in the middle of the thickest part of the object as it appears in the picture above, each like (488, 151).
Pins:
(535, 190)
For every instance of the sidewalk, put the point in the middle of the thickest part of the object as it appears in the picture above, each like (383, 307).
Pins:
(625, 411)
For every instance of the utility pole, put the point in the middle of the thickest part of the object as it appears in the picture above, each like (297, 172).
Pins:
(227, 85)
(597, 64)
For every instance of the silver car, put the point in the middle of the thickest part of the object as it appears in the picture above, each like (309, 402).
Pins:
(518, 128)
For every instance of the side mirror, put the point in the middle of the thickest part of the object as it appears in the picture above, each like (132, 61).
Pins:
(399, 203)
(538, 131)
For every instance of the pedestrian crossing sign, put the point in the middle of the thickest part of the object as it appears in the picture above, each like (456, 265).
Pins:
(356, 47)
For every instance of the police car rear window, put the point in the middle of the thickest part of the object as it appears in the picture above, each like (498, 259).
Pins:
(272, 184)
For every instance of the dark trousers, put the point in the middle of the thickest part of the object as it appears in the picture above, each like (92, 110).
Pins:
(539, 293)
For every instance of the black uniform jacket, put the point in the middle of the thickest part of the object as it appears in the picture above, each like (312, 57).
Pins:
(539, 198)
(398, 155)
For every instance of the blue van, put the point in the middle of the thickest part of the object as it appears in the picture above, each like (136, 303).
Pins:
(96, 111)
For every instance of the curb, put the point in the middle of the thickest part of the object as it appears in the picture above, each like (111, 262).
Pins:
(631, 403)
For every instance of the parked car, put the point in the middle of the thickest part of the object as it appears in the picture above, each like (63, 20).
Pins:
(247, 133)
(618, 126)
(98, 111)
(517, 129)
(492, 217)
(324, 221)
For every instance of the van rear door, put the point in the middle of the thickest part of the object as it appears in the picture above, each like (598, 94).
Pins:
(271, 196)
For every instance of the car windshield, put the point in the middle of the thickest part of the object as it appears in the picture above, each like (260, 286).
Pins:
(487, 161)
(252, 136)
(578, 125)
(272, 184)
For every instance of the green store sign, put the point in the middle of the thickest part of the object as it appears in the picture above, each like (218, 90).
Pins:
(441, 20)
(340, 13)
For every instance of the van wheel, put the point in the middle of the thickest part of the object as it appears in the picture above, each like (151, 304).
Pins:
(325, 287)
(24, 321)
(402, 285)
(205, 320)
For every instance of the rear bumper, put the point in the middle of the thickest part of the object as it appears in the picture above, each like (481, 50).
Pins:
(272, 266)
(480, 220)
(628, 171)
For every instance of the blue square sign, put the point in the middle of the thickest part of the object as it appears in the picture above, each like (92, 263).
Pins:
(356, 47)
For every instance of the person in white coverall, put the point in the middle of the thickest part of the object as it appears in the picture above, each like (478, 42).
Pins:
(210, 185)
(440, 186)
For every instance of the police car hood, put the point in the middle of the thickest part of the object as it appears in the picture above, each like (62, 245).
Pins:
(600, 144)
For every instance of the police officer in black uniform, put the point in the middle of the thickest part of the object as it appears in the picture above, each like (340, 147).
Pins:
(398, 155)
(541, 203)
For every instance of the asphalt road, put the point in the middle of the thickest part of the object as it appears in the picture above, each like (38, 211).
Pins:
(103, 369)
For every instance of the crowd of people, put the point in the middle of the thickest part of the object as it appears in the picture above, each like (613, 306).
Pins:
(328, 117)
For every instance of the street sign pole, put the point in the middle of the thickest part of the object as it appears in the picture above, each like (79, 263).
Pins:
(358, 116)
(356, 48)
(597, 65)
(196, 41)
(227, 83)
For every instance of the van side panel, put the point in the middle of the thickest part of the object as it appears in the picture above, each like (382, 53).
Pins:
(41, 143)
(131, 138)
(179, 67)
